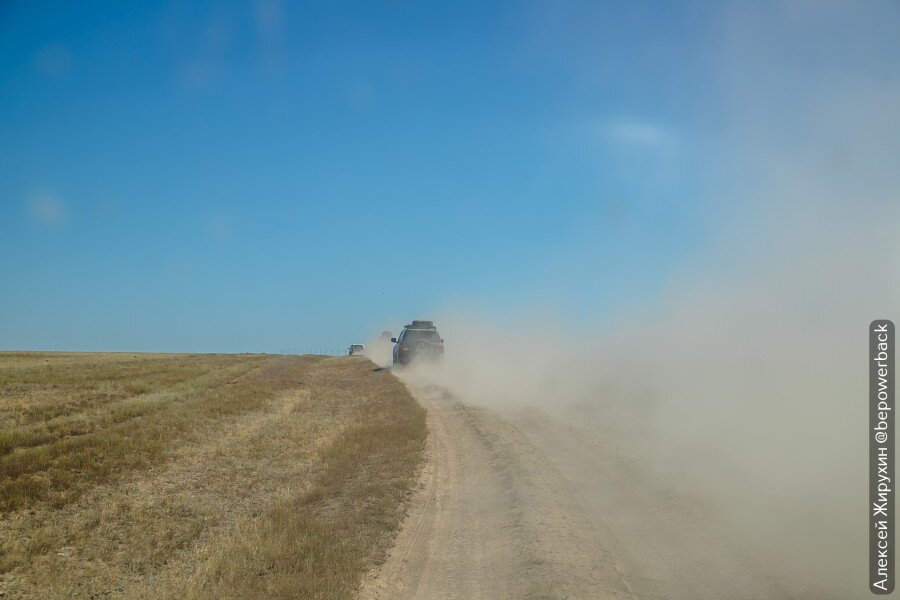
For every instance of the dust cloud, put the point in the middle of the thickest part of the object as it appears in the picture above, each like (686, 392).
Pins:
(745, 393)
(744, 389)
(379, 349)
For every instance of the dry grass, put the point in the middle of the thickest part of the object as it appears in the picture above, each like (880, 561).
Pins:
(69, 421)
(215, 476)
(318, 543)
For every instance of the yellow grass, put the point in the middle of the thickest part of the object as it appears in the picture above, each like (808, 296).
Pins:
(206, 475)
(67, 421)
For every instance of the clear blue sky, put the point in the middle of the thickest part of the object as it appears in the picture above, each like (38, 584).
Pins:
(247, 176)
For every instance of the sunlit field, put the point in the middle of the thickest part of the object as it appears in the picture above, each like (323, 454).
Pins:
(140, 475)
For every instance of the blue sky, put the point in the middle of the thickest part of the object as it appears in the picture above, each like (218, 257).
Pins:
(248, 176)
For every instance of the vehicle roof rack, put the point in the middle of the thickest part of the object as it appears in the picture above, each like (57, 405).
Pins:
(421, 325)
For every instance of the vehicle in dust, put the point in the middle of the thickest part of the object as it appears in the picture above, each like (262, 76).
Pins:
(418, 340)
(356, 349)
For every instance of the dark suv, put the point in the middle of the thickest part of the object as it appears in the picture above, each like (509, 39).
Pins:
(419, 339)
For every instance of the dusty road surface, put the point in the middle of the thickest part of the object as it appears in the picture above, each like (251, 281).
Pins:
(522, 505)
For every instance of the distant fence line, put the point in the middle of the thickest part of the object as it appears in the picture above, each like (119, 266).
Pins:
(313, 350)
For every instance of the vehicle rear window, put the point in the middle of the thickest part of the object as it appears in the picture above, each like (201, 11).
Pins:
(417, 335)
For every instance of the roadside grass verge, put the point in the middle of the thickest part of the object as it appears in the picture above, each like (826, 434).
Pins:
(318, 544)
(205, 477)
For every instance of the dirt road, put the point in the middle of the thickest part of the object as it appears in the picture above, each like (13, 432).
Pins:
(522, 505)
(495, 519)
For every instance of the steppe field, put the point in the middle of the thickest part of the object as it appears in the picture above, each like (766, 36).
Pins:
(200, 476)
